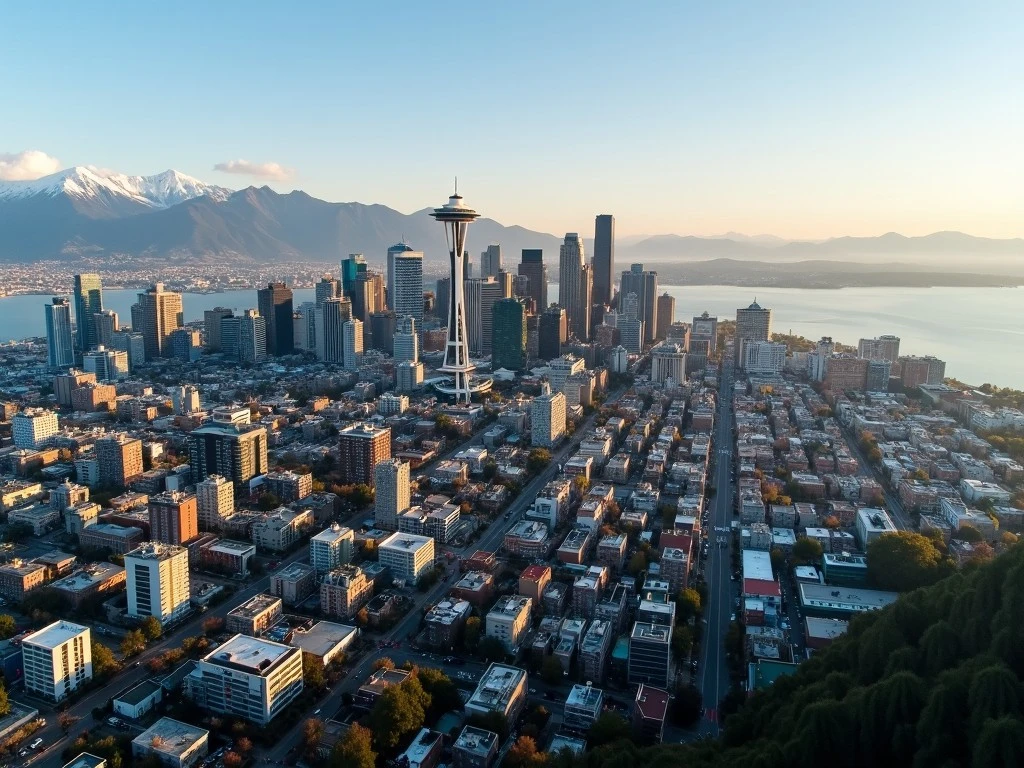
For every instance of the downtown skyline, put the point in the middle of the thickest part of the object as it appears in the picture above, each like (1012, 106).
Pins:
(805, 124)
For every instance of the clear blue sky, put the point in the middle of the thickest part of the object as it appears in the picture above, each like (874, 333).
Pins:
(798, 119)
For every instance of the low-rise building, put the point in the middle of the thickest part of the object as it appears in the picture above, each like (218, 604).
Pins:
(501, 689)
(407, 555)
(294, 583)
(582, 708)
(227, 556)
(138, 700)
(172, 742)
(475, 587)
(509, 621)
(118, 539)
(871, 523)
(366, 696)
(533, 580)
(41, 518)
(445, 621)
(255, 616)
(344, 591)
(18, 578)
(325, 640)
(281, 529)
(650, 708)
(475, 748)
(94, 579)
(527, 539)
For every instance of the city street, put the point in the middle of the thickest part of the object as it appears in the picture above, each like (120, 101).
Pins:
(713, 675)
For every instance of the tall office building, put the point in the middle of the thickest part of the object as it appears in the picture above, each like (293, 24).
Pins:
(571, 278)
(532, 267)
(238, 452)
(442, 297)
(88, 302)
(383, 326)
(173, 517)
(60, 342)
(328, 287)
(704, 329)
(481, 294)
(586, 303)
(881, 348)
(157, 581)
(490, 261)
(395, 250)
(352, 344)
(644, 284)
(604, 258)
(133, 344)
(668, 361)
(107, 323)
(160, 314)
(211, 326)
(276, 308)
(547, 418)
(230, 335)
(631, 326)
(408, 289)
(330, 317)
(57, 659)
(350, 270)
(666, 314)
(107, 364)
(304, 327)
(361, 447)
(392, 493)
(552, 333)
(406, 341)
(752, 324)
(508, 326)
(215, 502)
(252, 337)
(118, 460)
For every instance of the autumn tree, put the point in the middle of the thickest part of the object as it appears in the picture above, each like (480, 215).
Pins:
(151, 628)
(903, 561)
(383, 662)
(637, 563)
(8, 627)
(471, 634)
(524, 754)
(400, 710)
(133, 643)
(313, 672)
(103, 661)
(688, 605)
(312, 732)
(354, 750)
(444, 695)
(5, 703)
(538, 460)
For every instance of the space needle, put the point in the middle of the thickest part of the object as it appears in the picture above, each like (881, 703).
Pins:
(456, 217)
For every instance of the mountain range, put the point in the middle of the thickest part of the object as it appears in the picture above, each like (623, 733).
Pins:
(83, 212)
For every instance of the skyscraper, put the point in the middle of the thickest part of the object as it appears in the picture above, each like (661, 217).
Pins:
(481, 294)
(406, 341)
(552, 333)
(508, 347)
(60, 343)
(350, 269)
(645, 285)
(443, 297)
(407, 298)
(361, 447)
(392, 492)
(88, 301)
(456, 218)
(532, 267)
(160, 314)
(211, 326)
(107, 323)
(252, 337)
(752, 324)
(705, 329)
(631, 327)
(666, 313)
(490, 261)
(367, 295)
(585, 302)
(395, 250)
(329, 287)
(352, 343)
(330, 318)
(275, 305)
(237, 452)
(570, 277)
(604, 258)
(382, 331)
(881, 348)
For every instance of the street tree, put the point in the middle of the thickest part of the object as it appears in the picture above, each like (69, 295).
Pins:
(151, 628)
(524, 754)
(807, 550)
(354, 750)
(8, 627)
(551, 671)
(133, 643)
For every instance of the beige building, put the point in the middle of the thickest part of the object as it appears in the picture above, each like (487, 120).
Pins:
(18, 578)
(294, 583)
(509, 620)
(255, 616)
(173, 743)
(282, 528)
(158, 581)
(407, 555)
(344, 591)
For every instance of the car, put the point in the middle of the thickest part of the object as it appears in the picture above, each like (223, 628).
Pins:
(36, 744)
(316, 712)
(732, 617)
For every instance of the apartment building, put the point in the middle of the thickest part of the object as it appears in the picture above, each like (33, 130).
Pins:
(57, 660)
(509, 620)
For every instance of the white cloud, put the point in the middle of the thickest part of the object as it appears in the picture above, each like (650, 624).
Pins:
(27, 165)
(273, 171)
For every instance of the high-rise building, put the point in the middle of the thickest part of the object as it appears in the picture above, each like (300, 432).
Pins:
(173, 517)
(383, 326)
(490, 261)
(574, 285)
(650, 647)
(644, 283)
(350, 270)
(57, 660)
(252, 337)
(532, 267)
(394, 251)
(668, 361)
(159, 313)
(629, 323)
(456, 218)
(752, 324)
(215, 502)
(405, 344)
(508, 327)
(32, 427)
(329, 287)
(481, 295)
(119, 459)
(881, 348)
(408, 376)
(132, 343)
(878, 375)
(158, 581)
(186, 344)
(764, 358)
(211, 326)
(275, 306)
(352, 343)
(666, 313)
(442, 297)
(107, 364)
(107, 323)
(60, 341)
(604, 258)
(238, 452)
(88, 302)
(368, 295)
(408, 288)
(547, 418)
(361, 447)
(330, 318)
(552, 333)
(704, 329)
(392, 495)
(331, 548)
(844, 372)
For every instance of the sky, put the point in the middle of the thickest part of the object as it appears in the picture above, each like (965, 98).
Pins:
(803, 120)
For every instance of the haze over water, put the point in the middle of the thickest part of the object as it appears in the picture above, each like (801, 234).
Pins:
(977, 331)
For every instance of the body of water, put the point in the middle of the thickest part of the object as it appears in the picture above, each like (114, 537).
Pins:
(979, 332)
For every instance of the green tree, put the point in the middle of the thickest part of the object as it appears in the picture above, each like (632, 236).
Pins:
(133, 643)
(400, 710)
(778, 558)
(682, 641)
(8, 628)
(490, 469)
(313, 672)
(637, 563)
(491, 649)
(538, 460)
(903, 561)
(607, 729)
(807, 550)
(1001, 743)
(688, 605)
(471, 636)
(444, 695)
(968, 533)
(524, 754)
(354, 750)
(685, 710)
(103, 661)
(151, 628)
(551, 671)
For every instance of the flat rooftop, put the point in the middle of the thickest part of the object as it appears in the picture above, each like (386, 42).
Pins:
(170, 737)
(138, 694)
(851, 599)
(86, 760)
(255, 606)
(231, 547)
(825, 629)
(294, 571)
(496, 686)
(476, 741)
(652, 702)
(334, 533)
(409, 542)
(154, 550)
(53, 635)
(757, 565)
(87, 577)
(323, 637)
(249, 654)
(655, 633)
(585, 697)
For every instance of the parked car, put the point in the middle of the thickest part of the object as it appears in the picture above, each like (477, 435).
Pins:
(36, 744)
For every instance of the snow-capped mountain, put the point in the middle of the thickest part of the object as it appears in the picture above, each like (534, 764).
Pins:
(160, 191)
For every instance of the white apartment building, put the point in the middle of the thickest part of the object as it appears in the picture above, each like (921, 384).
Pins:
(247, 677)
(501, 689)
(668, 361)
(390, 404)
(392, 482)
(158, 581)
(509, 620)
(331, 548)
(282, 528)
(547, 418)
(763, 358)
(215, 497)
(407, 555)
(32, 427)
(57, 660)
